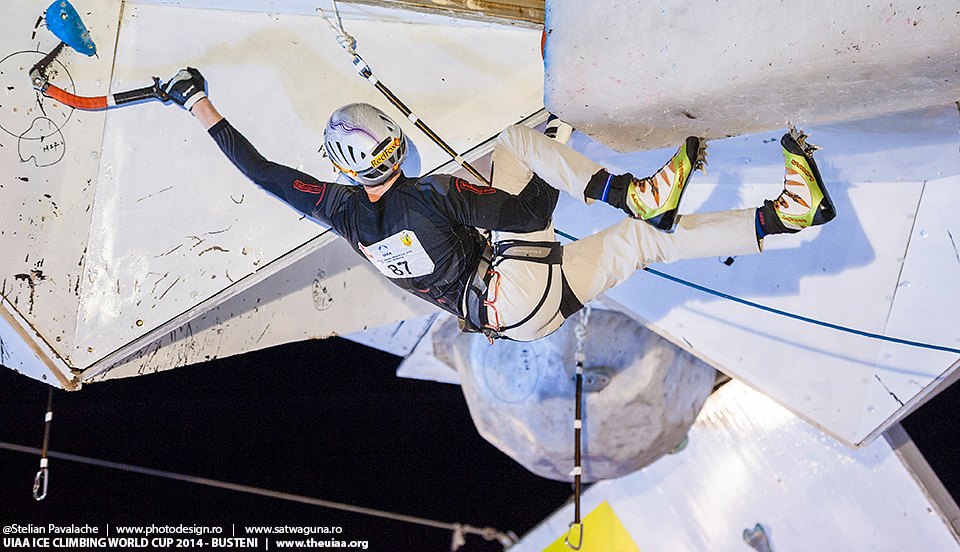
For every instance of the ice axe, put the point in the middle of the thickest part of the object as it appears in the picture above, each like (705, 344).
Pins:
(65, 23)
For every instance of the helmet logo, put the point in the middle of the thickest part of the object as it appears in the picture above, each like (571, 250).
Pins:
(341, 169)
(383, 155)
(364, 144)
(405, 239)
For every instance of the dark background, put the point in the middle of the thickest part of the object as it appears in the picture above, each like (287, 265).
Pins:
(326, 419)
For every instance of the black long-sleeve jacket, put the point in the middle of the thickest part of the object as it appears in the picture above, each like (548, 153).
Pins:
(422, 233)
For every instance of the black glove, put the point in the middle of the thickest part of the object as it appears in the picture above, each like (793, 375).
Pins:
(186, 87)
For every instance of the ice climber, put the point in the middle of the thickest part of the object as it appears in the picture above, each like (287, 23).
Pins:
(422, 233)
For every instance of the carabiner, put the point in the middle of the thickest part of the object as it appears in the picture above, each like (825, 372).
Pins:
(41, 480)
(566, 539)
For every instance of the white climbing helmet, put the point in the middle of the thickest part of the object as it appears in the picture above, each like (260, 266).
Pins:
(364, 143)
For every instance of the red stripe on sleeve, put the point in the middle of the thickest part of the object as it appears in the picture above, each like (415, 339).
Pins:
(464, 186)
(318, 189)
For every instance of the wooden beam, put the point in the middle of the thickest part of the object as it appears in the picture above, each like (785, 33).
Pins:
(525, 13)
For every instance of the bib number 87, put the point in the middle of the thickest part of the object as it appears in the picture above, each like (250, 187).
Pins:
(400, 269)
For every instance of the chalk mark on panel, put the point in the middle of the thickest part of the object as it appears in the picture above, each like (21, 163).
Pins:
(26, 115)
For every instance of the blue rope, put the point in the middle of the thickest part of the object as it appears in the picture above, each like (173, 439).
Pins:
(606, 188)
(806, 319)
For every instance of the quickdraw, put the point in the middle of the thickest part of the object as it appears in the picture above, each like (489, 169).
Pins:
(350, 45)
(580, 357)
(65, 23)
(42, 480)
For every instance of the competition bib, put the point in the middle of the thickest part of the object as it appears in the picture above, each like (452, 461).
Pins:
(399, 256)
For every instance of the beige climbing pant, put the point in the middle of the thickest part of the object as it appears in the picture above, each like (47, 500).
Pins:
(593, 264)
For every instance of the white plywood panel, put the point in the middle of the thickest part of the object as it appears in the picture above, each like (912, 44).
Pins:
(926, 301)
(425, 363)
(276, 78)
(646, 74)
(49, 156)
(845, 273)
(331, 291)
(398, 338)
(928, 285)
(750, 461)
(298, 7)
(17, 352)
(348, 10)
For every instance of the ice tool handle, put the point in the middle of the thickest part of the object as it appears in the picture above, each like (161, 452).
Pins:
(65, 23)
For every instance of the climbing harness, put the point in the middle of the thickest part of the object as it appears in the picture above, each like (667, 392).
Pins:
(65, 23)
(476, 298)
(42, 479)
(349, 43)
(548, 253)
(506, 539)
(475, 301)
(580, 357)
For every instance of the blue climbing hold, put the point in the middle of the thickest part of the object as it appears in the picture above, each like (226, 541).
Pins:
(64, 22)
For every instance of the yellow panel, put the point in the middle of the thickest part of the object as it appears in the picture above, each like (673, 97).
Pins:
(602, 532)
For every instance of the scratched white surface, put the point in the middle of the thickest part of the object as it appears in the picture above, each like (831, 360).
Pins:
(748, 461)
(330, 292)
(927, 300)
(276, 77)
(728, 69)
(348, 11)
(49, 157)
(397, 338)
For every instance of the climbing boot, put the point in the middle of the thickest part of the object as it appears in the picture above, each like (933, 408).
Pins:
(557, 129)
(804, 201)
(655, 199)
